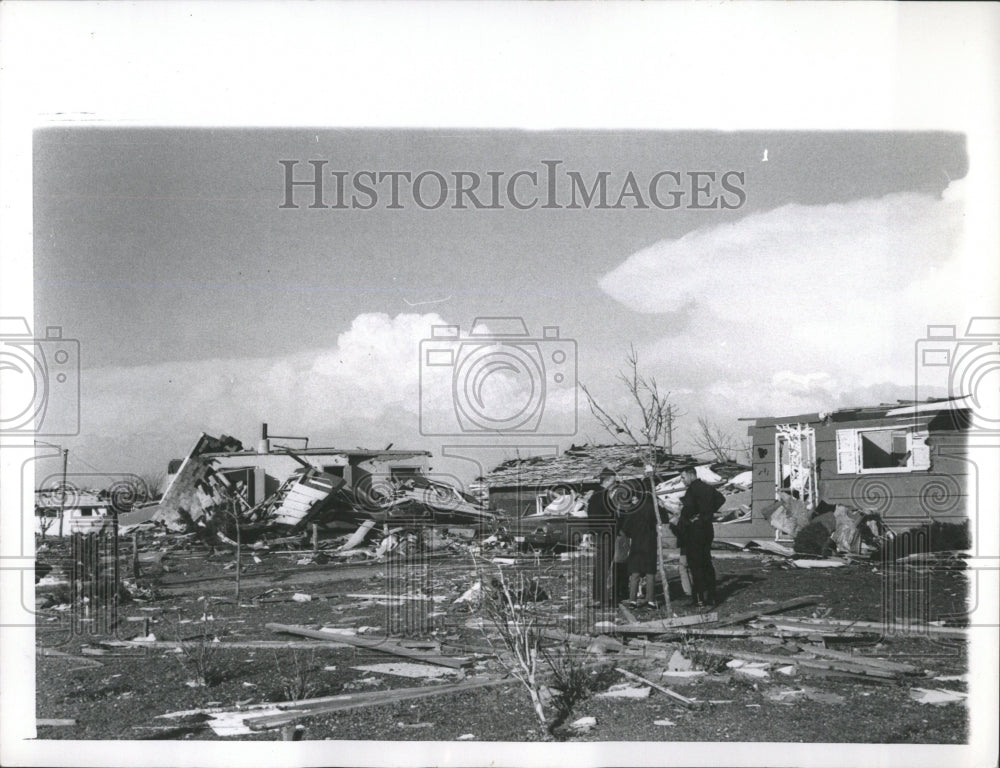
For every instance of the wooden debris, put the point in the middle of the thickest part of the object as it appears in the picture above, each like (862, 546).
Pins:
(84, 663)
(376, 596)
(383, 644)
(798, 602)
(54, 722)
(630, 618)
(889, 666)
(606, 642)
(832, 626)
(236, 644)
(367, 699)
(667, 625)
(689, 703)
(805, 663)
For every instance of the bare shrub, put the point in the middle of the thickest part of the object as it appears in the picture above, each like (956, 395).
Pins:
(298, 679)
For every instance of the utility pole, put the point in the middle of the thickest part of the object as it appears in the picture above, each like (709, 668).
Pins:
(660, 566)
(62, 491)
(670, 429)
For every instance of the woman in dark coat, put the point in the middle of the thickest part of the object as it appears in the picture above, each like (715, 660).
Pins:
(639, 524)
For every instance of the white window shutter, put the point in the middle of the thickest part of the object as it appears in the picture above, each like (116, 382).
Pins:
(920, 451)
(847, 451)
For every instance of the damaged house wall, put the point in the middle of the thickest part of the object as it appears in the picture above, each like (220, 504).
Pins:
(191, 495)
(269, 470)
(905, 462)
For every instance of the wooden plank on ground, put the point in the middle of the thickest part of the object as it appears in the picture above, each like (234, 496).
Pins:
(585, 641)
(849, 625)
(84, 663)
(369, 699)
(889, 666)
(383, 644)
(54, 722)
(771, 658)
(666, 625)
(235, 644)
(797, 602)
(689, 703)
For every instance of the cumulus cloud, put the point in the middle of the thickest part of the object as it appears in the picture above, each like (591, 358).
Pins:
(367, 389)
(835, 295)
(369, 375)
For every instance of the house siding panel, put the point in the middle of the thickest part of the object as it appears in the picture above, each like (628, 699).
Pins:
(904, 499)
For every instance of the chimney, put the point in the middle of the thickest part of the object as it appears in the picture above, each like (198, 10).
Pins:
(263, 445)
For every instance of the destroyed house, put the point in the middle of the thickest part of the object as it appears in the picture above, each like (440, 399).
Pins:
(303, 478)
(261, 472)
(514, 487)
(907, 462)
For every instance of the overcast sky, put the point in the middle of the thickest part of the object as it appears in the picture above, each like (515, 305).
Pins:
(200, 304)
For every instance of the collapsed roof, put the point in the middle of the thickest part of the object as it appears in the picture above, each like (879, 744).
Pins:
(583, 464)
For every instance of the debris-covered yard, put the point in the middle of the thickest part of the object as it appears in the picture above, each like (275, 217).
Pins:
(422, 642)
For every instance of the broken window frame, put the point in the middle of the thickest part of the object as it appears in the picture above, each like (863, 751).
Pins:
(850, 455)
(805, 472)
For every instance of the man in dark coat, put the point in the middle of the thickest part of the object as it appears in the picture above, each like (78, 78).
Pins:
(698, 507)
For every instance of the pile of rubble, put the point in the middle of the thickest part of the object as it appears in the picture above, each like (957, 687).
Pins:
(205, 496)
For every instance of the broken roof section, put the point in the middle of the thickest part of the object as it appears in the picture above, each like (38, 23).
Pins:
(363, 453)
(957, 407)
(290, 488)
(582, 464)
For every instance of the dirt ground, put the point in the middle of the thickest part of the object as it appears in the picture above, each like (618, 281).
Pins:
(122, 692)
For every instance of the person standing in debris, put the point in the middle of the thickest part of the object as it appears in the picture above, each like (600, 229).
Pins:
(698, 507)
(602, 522)
(639, 524)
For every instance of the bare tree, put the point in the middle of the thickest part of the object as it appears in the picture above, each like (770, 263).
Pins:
(654, 427)
(651, 431)
(519, 630)
(722, 445)
(153, 485)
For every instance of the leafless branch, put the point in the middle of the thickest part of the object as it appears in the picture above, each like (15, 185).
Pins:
(720, 444)
(657, 415)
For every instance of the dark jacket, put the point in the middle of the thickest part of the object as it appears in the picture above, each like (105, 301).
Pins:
(638, 521)
(699, 505)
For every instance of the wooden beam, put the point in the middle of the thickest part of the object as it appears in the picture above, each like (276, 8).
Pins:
(240, 644)
(383, 644)
(369, 699)
(798, 661)
(797, 602)
(43, 651)
(582, 640)
(54, 721)
(889, 666)
(849, 625)
(662, 626)
(689, 703)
